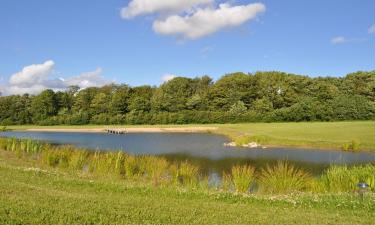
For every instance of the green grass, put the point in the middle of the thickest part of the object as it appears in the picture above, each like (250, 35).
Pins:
(243, 177)
(35, 196)
(309, 135)
(284, 178)
(50, 185)
(358, 135)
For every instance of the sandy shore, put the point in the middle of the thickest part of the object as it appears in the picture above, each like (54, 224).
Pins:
(129, 130)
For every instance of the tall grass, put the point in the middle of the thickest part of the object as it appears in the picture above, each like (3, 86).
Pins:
(154, 167)
(243, 177)
(282, 178)
(186, 174)
(346, 179)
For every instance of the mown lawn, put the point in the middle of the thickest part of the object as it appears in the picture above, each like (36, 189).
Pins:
(318, 134)
(34, 196)
(308, 135)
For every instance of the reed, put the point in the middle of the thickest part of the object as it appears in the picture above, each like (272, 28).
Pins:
(345, 179)
(187, 174)
(226, 182)
(155, 168)
(131, 167)
(79, 160)
(282, 178)
(243, 177)
(50, 157)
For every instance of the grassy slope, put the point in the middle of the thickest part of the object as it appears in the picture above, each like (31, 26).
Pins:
(42, 198)
(30, 196)
(316, 135)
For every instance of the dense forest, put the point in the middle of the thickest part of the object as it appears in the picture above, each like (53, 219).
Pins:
(237, 97)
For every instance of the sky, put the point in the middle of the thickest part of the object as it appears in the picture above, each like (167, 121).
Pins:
(54, 44)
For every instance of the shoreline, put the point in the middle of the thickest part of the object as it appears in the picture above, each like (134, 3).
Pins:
(317, 136)
(214, 130)
(128, 130)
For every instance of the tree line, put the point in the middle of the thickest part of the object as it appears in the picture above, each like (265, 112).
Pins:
(234, 98)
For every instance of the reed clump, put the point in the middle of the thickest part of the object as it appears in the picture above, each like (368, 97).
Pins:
(243, 177)
(155, 168)
(346, 179)
(186, 174)
(282, 178)
(353, 146)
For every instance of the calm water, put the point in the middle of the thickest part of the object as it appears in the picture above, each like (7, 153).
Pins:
(206, 150)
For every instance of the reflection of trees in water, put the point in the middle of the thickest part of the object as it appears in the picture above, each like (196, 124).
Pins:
(219, 166)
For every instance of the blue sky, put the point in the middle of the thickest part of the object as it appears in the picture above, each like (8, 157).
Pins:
(321, 37)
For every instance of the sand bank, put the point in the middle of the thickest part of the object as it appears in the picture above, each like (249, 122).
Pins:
(129, 130)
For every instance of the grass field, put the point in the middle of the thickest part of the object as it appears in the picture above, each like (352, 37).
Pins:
(323, 135)
(46, 196)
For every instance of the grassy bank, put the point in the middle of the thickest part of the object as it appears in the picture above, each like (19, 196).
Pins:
(34, 195)
(323, 135)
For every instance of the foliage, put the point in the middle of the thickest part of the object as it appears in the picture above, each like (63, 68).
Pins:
(234, 98)
(283, 178)
(243, 177)
(345, 179)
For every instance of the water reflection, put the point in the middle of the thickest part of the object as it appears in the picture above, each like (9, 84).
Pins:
(205, 150)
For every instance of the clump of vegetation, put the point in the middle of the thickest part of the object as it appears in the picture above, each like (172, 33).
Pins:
(186, 174)
(3, 129)
(246, 139)
(153, 167)
(131, 167)
(345, 179)
(354, 146)
(282, 178)
(243, 177)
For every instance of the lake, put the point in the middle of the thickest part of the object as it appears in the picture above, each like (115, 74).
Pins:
(203, 149)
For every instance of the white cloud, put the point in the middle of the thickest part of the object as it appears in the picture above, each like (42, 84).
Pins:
(167, 77)
(34, 79)
(339, 40)
(32, 74)
(142, 7)
(88, 79)
(371, 30)
(207, 20)
(192, 19)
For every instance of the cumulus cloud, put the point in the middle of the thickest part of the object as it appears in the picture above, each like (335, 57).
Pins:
(29, 75)
(142, 7)
(207, 21)
(192, 19)
(339, 40)
(167, 77)
(88, 79)
(35, 78)
(371, 30)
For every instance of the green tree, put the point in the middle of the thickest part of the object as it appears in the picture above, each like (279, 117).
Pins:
(44, 105)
